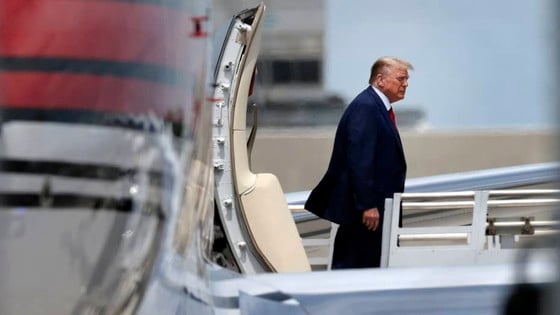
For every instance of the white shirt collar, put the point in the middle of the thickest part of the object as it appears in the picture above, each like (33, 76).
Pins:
(383, 97)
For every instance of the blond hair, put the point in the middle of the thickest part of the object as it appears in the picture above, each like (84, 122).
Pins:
(381, 65)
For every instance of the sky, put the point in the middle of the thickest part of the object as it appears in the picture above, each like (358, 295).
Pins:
(478, 63)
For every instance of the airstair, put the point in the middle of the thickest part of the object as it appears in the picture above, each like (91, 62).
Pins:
(458, 228)
(472, 227)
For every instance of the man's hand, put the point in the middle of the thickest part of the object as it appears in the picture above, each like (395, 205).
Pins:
(370, 218)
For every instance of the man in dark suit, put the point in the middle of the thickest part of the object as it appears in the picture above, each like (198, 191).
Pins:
(367, 165)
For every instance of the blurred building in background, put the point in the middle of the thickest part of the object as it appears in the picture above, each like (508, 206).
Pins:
(470, 58)
(289, 88)
(290, 83)
(468, 55)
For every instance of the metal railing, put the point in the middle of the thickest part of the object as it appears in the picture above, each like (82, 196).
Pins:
(457, 184)
(469, 226)
(488, 230)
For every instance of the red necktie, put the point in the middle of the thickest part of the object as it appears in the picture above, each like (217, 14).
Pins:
(392, 115)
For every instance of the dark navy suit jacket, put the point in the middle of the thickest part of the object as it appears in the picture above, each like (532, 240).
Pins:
(367, 163)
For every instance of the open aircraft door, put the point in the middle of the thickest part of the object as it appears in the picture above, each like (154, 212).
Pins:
(254, 217)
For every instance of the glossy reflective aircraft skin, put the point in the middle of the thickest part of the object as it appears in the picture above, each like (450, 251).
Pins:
(106, 192)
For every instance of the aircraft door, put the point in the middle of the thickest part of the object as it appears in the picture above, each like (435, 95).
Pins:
(254, 214)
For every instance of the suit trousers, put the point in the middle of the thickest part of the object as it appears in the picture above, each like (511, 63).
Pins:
(357, 247)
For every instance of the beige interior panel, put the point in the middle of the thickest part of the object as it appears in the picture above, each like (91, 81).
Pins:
(244, 83)
(272, 227)
(263, 206)
(244, 178)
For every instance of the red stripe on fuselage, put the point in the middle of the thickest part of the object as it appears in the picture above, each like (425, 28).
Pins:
(91, 92)
(120, 31)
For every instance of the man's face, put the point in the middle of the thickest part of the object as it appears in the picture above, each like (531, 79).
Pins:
(393, 82)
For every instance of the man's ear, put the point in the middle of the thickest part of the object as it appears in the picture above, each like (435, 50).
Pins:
(379, 80)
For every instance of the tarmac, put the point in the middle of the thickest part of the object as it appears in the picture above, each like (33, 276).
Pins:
(300, 156)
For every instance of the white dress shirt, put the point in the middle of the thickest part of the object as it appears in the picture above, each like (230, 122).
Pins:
(382, 96)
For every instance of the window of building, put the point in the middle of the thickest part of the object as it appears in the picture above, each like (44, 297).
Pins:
(290, 71)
